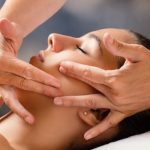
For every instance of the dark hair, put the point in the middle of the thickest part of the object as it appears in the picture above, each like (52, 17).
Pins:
(140, 122)
(133, 125)
(141, 39)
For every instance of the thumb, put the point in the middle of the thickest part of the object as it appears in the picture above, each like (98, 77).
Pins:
(8, 29)
(131, 52)
(111, 120)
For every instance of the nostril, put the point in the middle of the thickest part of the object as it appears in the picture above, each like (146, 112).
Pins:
(55, 42)
(51, 42)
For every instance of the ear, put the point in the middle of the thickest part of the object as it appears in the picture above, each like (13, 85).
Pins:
(92, 117)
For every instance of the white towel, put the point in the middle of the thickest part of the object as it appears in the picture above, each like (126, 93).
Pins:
(137, 142)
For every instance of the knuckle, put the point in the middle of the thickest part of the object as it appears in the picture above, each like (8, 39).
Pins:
(71, 67)
(22, 113)
(39, 88)
(22, 84)
(112, 78)
(44, 91)
(91, 103)
(87, 72)
(111, 123)
(26, 72)
(116, 80)
(68, 102)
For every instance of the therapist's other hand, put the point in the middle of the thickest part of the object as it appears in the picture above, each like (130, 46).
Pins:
(17, 73)
(9, 97)
(126, 90)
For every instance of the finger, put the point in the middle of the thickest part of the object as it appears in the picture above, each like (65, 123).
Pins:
(9, 97)
(29, 85)
(89, 101)
(7, 29)
(132, 52)
(17, 108)
(91, 73)
(21, 68)
(110, 121)
(100, 87)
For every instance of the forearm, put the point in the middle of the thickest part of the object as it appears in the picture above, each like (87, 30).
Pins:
(28, 15)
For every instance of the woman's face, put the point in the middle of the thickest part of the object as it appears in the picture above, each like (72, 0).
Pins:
(87, 49)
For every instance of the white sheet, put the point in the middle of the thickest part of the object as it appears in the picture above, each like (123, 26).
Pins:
(138, 142)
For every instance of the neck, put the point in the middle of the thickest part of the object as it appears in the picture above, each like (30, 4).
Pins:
(50, 125)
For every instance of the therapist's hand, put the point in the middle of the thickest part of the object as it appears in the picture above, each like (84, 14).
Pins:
(126, 90)
(17, 73)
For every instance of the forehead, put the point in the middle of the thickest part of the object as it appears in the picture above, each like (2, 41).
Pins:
(119, 34)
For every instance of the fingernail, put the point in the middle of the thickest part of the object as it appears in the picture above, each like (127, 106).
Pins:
(62, 69)
(58, 101)
(87, 136)
(29, 120)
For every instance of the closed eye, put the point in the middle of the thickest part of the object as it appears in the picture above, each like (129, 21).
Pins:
(81, 49)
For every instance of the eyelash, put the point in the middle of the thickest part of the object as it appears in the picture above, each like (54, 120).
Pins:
(81, 49)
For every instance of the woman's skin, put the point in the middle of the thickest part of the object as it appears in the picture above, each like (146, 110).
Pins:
(56, 127)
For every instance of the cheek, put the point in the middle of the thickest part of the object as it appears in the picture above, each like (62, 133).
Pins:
(70, 86)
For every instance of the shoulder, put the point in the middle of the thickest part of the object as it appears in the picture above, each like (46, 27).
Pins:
(4, 144)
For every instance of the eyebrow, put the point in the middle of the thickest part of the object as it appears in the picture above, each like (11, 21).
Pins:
(97, 39)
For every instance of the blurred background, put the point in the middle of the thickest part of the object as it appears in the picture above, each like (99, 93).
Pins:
(78, 17)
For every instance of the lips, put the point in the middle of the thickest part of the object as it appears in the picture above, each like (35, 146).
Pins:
(41, 56)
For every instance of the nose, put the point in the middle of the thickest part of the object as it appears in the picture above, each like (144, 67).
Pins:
(59, 42)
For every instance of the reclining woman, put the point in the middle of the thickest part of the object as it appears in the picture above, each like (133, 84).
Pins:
(60, 128)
